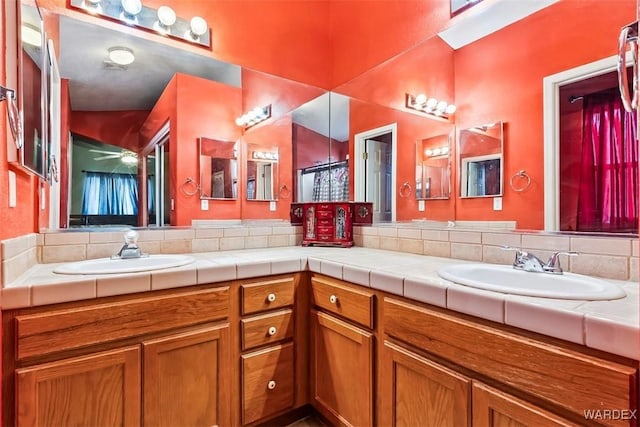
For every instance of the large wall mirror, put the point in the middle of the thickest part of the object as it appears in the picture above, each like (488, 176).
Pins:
(262, 172)
(33, 85)
(481, 161)
(218, 169)
(433, 167)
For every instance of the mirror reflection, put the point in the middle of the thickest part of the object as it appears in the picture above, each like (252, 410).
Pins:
(218, 169)
(33, 89)
(481, 160)
(433, 170)
(262, 172)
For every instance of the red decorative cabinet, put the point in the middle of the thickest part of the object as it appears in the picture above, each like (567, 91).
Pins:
(330, 223)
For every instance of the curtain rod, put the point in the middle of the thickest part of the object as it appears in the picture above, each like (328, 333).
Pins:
(325, 166)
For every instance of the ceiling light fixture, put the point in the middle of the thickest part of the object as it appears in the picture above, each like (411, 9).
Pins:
(128, 157)
(166, 18)
(197, 27)
(430, 106)
(121, 55)
(31, 35)
(254, 116)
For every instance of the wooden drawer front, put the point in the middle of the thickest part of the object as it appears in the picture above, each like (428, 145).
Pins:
(574, 381)
(324, 214)
(267, 382)
(325, 222)
(348, 302)
(267, 329)
(328, 230)
(267, 295)
(65, 329)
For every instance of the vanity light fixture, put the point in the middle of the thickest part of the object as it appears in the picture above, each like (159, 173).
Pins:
(128, 157)
(254, 117)
(130, 11)
(166, 18)
(197, 27)
(430, 106)
(437, 151)
(264, 155)
(121, 55)
(31, 35)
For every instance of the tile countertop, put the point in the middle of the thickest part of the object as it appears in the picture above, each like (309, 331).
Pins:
(611, 326)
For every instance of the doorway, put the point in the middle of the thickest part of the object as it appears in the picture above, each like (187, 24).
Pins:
(375, 170)
(159, 198)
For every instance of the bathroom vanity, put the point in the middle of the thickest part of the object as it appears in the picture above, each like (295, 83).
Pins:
(263, 336)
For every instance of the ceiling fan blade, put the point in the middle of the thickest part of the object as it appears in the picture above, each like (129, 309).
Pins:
(112, 156)
(103, 151)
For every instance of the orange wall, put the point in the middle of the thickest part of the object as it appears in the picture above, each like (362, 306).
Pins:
(119, 128)
(411, 128)
(500, 78)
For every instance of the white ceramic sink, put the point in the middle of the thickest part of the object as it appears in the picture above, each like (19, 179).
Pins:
(130, 265)
(506, 279)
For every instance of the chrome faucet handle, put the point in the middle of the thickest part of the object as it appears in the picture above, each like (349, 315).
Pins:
(553, 265)
(525, 260)
(131, 238)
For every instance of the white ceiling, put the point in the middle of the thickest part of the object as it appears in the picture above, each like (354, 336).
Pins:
(327, 115)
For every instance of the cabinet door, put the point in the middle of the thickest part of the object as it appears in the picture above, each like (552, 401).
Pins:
(494, 408)
(420, 392)
(97, 389)
(187, 378)
(341, 370)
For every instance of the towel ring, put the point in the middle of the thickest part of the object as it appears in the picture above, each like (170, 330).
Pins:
(405, 189)
(284, 192)
(190, 182)
(520, 174)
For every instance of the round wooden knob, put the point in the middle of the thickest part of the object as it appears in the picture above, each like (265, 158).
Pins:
(333, 299)
(271, 385)
(271, 297)
(272, 331)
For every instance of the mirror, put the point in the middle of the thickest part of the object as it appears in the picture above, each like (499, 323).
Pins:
(433, 167)
(262, 172)
(481, 160)
(218, 169)
(33, 89)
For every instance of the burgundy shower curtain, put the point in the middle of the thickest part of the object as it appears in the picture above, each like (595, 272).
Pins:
(608, 192)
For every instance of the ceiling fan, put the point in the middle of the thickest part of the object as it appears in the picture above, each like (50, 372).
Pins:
(126, 156)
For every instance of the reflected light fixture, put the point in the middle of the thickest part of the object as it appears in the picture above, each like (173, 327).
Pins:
(31, 35)
(92, 6)
(264, 155)
(130, 11)
(166, 18)
(121, 55)
(197, 27)
(128, 157)
(254, 117)
(437, 151)
(430, 106)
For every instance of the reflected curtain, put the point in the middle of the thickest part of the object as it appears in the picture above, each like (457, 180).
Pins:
(109, 194)
(331, 184)
(608, 192)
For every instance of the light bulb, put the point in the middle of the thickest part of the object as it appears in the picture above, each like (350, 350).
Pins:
(240, 121)
(258, 112)
(431, 103)
(420, 100)
(166, 16)
(444, 150)
(436, 151)
(428, 152)
(450, 109)
(131, 7)
(197, 27)
(441, 106)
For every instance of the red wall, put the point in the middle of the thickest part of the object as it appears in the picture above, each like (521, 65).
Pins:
(500, 78)
(119, 128)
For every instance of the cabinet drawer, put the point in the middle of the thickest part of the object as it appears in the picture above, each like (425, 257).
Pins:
(325, 207)
(570, 379)
(267, 295)
(324, 214)
(348, 302)
(325, 230)
(267, 382)
(65, 329)
(325, 222)
(266, 329)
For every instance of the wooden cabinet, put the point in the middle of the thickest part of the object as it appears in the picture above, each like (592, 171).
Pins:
(149, 359)
(420, 392)
(346, 301)
(330, 223)
(268, 347)
(341, 370)
(186, 378)
(96, 389)
(493, 408)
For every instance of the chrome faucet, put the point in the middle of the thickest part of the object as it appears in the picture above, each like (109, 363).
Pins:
(130, 248)
(527, 261)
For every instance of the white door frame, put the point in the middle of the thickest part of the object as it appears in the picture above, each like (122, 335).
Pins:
(551, 119)
(359, 162)
(54, 144)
